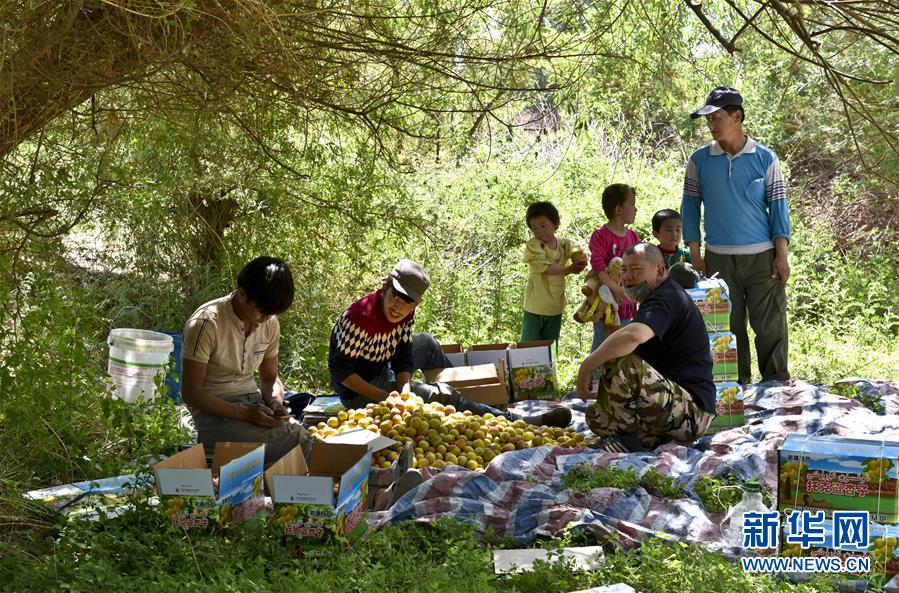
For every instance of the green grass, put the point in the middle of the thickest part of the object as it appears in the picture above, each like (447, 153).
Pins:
(140, 552)
(470, 235)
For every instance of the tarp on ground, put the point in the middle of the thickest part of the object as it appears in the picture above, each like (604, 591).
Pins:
(520, 495)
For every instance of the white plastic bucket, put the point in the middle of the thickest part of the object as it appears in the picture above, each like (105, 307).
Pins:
(136, 357)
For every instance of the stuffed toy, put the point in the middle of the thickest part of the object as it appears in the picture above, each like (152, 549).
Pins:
(599, 304)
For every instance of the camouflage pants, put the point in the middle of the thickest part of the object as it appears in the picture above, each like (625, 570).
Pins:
(635, 399)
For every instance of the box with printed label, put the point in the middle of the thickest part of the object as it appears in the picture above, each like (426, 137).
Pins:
(728, 407)
(320, 505)
(712, 298)
(481, 383)
(454, 353)
(724, 356)
(494, 354)
(880, 547)
(532, 369)
(194, 495)
(839, 473)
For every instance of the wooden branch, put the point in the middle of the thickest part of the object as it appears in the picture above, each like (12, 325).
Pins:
(696, 7)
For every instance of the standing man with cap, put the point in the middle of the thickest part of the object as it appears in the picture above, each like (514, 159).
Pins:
(373, 350)
(738, 184)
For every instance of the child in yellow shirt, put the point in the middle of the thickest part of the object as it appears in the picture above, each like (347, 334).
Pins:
(547, 258)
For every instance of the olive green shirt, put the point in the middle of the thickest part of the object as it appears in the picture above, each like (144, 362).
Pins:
(214, 336)
(545, 293)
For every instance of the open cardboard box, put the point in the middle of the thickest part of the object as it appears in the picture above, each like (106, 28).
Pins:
(455, 353)
(482, 383)
(375, 442)
(187, 491)
(320, 503)
(495, 354)
(532, 370)
(378, 476)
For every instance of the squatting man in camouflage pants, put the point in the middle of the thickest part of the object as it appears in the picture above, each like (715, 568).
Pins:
(655, 383)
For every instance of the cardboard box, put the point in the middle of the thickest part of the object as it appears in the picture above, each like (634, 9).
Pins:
(713, 300)
(455, 353)
(480, 383)
(724, 356)
(376, 442)
(186, 491)
(464, 376)
(492, 394)
(384, 477)
(320, 504)
(881, 548)
(728, 407)
(489, 354)
(828, 473)
(532, 370)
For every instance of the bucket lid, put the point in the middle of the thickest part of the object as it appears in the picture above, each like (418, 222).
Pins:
(140, 339)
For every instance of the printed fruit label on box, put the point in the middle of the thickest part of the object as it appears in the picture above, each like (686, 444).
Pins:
(532, 369)
(728, 406)
(881, 547)
(316, 530)
(713, 301)
(187, 496)
(835, 473)
(724, 356)
(533, 382)
(190, 511)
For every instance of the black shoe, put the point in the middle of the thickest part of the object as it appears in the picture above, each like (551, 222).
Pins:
(609, 444)
(559, 417)
(617, 443)
(409, 480)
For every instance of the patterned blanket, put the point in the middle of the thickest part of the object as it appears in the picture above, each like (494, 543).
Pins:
(520, 495)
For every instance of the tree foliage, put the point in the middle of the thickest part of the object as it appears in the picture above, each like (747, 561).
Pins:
(180, 139)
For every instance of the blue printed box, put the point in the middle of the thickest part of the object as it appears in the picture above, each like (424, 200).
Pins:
(713, 301)
(839, 473)
(880, 547)
(194, 495)
(724, 356)
(321, 505)
(728, 407)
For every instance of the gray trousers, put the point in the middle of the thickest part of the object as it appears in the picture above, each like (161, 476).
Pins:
(435, 393)
(278, 440)
(426, 355)
(752, 290)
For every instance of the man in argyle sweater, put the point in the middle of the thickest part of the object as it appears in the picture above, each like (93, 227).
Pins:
(373, 350)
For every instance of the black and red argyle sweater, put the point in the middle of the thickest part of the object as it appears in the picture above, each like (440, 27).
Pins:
(363, 342)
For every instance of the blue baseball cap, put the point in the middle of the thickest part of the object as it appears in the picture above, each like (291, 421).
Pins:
(721, 96)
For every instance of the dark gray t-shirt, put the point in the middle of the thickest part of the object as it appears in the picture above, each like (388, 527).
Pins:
(680, 348)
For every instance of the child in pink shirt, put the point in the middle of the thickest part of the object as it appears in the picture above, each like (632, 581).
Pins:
(610, 240)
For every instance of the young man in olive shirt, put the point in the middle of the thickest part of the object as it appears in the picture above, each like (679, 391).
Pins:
(225, 342)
